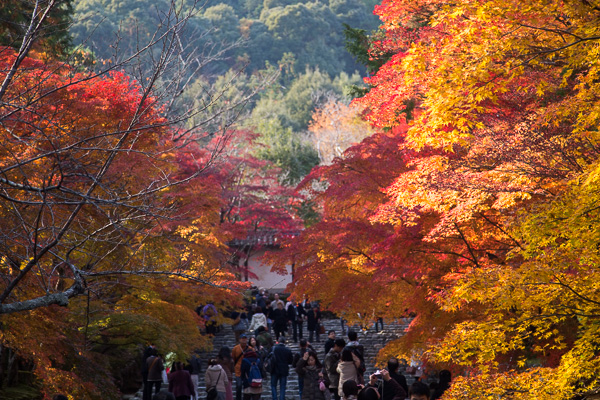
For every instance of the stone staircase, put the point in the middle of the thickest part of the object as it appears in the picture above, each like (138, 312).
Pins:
(372, 341)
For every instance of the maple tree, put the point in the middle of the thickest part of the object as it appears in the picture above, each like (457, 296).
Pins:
(127, 259)
(254, 203)
(253, 197)
(342, 254)
(494, 112)
(505, 156)
(65, 179)
(89, 193)
(90, 160)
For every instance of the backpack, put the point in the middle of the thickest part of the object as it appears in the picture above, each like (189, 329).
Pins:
(263, 352)
(270, 363)
(254, 376)
(297, 357)
(264, 338)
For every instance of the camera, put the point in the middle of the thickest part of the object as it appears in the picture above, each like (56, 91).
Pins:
(377, 374)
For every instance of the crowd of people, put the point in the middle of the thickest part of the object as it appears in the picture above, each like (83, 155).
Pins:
(242, 373)
(275, 315)
(340, 375)
(282, 318)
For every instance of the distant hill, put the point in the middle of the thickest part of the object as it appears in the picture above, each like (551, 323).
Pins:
(310, 30)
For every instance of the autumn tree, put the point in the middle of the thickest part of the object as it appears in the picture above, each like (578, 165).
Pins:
(83, 130)
(88, 215)
(500, 145)
(335, 126)
(512, 136)
(338, 259)
(111, 212)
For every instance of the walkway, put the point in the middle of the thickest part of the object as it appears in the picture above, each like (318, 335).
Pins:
(371, 340)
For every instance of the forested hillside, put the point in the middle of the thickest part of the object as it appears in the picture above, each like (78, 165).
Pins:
(309, 32)
(301, 40)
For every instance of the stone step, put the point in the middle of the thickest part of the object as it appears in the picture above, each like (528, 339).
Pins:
(371, 340)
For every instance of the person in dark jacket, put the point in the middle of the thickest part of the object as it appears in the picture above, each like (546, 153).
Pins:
(312, 323)
(264, 338)
(261, 299)
(194, 366)
(281, 369)
(418, 391)
(309, 368)
(226, 362)
(393, 366)
(279, 318)
(350, 390)
(209, 313)
(164, 394)
(388, 389)
(292, 316)
(304, 347)
(240, 323)
(148, 351)
(180, 383)
(155, 366)
(369, 393)
(300, 318)
(443, 384)
(332, 359)
(330, 341)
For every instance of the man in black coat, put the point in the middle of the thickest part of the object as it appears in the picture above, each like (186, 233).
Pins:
(292, 316)
(300, 317)
(313, 323)
(279, 318)
(330, 341)
(393, 366)
(388, 388)
(281, 368)
(261, 299)
(148, 351)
